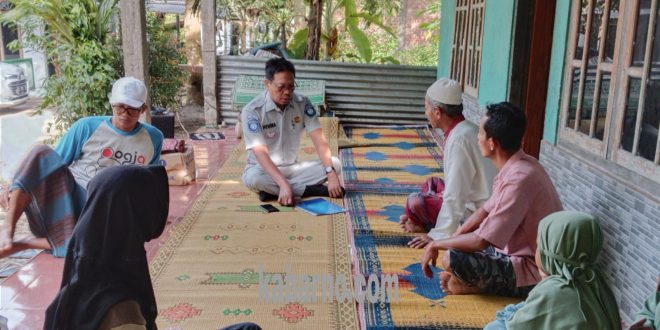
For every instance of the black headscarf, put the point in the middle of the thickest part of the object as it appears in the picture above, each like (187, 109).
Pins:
(106, 262)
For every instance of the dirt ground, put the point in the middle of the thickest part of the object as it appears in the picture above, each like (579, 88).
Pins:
(190, 118)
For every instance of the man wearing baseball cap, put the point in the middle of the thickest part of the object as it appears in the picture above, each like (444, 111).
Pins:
(50, 185)
(439, 208)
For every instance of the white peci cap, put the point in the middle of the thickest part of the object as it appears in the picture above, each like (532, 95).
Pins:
(445, 91)
(129, 91)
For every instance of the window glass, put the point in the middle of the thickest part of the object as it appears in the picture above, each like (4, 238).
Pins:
(587, 99)
(648, 137)
(655, 63)
(602, 105)
(641, 32)
(582, 28)
(610, 37)
(8, 35)
(630, 118)
(572, 107)
(595, 33)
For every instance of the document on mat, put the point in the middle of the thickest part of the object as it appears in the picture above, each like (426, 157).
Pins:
(319, 206)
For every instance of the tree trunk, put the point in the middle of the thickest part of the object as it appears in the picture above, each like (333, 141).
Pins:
(327, 22)
(234, 38)
(402, 28)
(226, 26)
(193, 50)
(314, 25)
(299, 11)
(283, 35)
(243, 36)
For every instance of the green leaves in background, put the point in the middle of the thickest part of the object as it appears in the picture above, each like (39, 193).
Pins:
(298, 43)
(361, 42)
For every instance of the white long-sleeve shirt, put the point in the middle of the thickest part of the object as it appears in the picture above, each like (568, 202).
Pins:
(468, 178)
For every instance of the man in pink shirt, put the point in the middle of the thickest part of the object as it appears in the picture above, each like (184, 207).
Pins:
(493, 251)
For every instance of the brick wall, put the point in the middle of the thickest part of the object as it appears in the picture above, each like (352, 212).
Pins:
(630, 222)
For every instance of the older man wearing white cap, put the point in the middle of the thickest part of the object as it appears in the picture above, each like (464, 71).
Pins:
(468, 175)
(50, 185)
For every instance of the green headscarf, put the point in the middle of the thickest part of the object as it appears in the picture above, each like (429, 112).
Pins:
(651, 310)
(574, 295)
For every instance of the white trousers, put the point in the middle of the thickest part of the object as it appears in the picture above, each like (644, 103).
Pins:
(299, 175)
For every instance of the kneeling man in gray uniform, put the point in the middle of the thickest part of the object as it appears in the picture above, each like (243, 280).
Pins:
(273, 123)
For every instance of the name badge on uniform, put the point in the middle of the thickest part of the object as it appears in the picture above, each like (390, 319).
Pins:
(268, 130)
(294, 121)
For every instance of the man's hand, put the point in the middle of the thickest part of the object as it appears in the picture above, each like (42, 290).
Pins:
(286, 194)
(640, 325)
(420, 241)
(334, 188)
(458, 231)
(430, 255)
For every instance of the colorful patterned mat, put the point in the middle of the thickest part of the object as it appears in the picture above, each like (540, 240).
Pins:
(207, 275)
(390, 163)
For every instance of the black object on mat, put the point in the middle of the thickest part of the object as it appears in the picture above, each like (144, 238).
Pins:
(207, 136)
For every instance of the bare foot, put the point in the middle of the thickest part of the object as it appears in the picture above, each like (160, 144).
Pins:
(444, 280)
(409, 226)
(6, 239)
(403, 219)
(455, 286)
(412, 227)
(25, 244)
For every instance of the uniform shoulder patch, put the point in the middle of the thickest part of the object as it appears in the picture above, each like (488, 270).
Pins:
(253, 124)
(309, 110)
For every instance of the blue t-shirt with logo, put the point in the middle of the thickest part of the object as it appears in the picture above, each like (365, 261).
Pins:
(93, 143)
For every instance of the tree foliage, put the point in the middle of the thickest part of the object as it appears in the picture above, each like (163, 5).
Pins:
(350, 25)
(78, 40)
(164, 58)
(433, 26)
(75, 36)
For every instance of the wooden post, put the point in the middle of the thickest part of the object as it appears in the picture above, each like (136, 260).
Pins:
(134, 44)
(211, 115)
(537, 79)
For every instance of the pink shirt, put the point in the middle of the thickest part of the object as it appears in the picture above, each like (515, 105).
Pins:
(522, 195)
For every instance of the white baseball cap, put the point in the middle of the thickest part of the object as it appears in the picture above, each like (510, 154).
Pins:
(129, 91)
(446, 91)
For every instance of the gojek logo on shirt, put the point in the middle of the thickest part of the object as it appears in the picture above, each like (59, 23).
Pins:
(122, 157)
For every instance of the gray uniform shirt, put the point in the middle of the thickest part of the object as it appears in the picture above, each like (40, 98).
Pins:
(280, 131)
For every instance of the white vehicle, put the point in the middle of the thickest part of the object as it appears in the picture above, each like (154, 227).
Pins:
(13, 83)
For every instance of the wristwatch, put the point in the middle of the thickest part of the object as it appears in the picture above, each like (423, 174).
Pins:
(329, 169)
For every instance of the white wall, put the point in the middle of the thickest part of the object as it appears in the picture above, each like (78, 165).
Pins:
(18, 133)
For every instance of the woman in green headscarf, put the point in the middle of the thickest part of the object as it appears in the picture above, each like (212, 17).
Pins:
(649, 316)
(574, 295)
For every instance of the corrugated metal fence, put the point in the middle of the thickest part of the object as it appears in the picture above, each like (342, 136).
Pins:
(356, 93)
